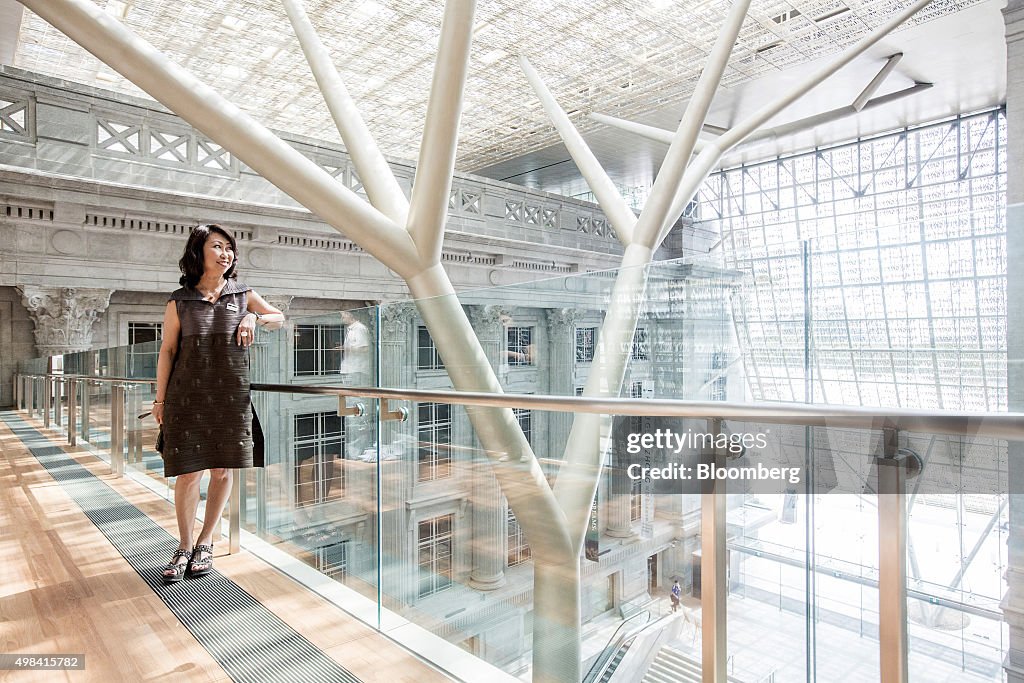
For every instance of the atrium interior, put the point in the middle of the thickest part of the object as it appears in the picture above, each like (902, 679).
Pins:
(665, 341)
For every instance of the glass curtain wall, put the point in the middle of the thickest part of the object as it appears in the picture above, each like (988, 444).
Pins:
(877, 277)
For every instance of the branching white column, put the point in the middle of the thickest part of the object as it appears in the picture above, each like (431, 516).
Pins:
(377, 177)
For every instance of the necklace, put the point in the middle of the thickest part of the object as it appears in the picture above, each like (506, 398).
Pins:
(211, 295)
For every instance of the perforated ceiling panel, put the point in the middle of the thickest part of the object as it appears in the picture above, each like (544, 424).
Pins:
(616, 57)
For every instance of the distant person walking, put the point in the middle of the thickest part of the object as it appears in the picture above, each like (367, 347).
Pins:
(675, 595)
(202, 389)
(355, 352)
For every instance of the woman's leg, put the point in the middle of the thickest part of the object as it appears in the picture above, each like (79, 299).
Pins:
(186, 501)
(216, 497)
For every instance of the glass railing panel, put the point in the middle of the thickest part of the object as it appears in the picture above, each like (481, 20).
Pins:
(685, 344)
(142, 431)
(915, 316)
(957, 528)
(766, 548)
(99, 414)
(316, 496)
(458, 560)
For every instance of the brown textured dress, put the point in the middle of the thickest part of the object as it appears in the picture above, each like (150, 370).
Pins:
(208, 416)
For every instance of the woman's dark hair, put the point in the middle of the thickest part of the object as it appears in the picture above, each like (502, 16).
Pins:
(191, 263)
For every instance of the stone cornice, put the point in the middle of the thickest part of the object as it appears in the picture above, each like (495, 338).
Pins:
(253, 214)
(31, 82)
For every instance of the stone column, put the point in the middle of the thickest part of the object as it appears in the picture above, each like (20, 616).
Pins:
(1013, 603)
(561, 372)
(398, 529)
(63, 316)
(489, 522)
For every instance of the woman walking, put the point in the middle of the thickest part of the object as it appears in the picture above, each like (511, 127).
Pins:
(202, 389)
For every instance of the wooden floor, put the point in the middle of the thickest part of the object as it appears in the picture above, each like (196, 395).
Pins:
(65, 589)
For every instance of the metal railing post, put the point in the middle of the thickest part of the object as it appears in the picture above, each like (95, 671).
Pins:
(892, 562)
(261, 500)
(84, 422)
(30, 398)
(47, 399)
(714, 588)
(117, 429)
(58, 397)
(72, 385)
(134, 435)
(234, 512)
(18, 392)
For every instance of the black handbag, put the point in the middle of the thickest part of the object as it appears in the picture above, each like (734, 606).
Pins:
(159, 435)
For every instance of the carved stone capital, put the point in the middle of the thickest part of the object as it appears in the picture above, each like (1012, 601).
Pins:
(395, 317)
(487, 320)
(561, 321)
(63, 316)
(279, 301)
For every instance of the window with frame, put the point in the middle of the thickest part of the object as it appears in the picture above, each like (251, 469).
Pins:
(142, 360)
(317, 447)
(332, 560)
(719, 383)
(434, 554)
(525, 419)
(641, 348)
(636, 390)
(518, 549)
(434, 434)
(140, 332)
(318, 349)
(519, 343)
(585, 339)
(427, 357)
(635, 501)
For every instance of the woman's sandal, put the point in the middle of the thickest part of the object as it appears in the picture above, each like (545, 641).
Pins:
(205, 566)
(178, 568)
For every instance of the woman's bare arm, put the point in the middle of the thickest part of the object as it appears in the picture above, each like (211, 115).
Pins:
(270, 317)
(165, 361)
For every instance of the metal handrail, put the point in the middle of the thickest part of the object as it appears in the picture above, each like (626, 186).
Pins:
(91, 378)
(961, 423)
(958, 423)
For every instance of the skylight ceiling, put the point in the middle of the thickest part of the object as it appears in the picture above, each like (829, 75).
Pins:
(621, 58)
